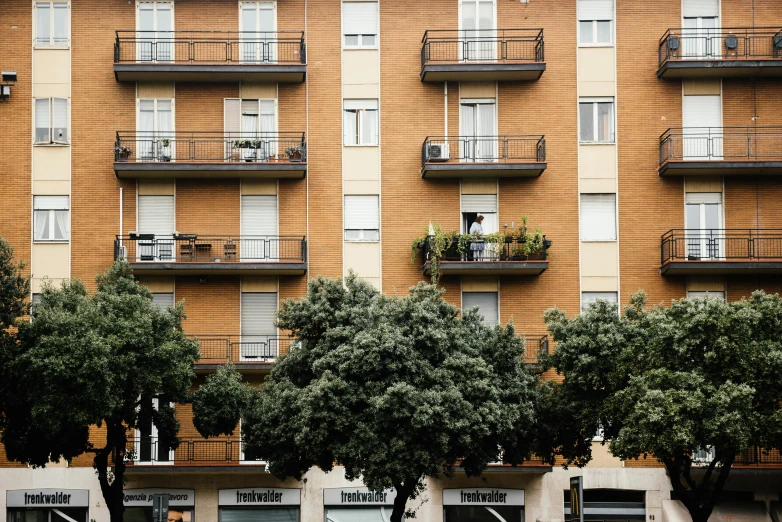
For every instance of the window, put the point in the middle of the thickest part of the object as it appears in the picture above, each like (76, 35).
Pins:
(359, 24)
(362, 218)
(587, 298)
(702, 294)
(596, 120)
(51, 24)
(155, 23)
(51, 120)
(258, 23)
(51, 220)
(258, 326)
(360, 122)
(487, 303)
(598, 217)
(34, 301)
(163, 300)
(595, 22)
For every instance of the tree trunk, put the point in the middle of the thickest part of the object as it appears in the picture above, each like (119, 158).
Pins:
(112, 490)
(698, 498)
(403, 492)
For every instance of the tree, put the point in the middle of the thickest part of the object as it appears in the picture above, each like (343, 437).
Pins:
(395, 389)
(667, 382)
(87, 361)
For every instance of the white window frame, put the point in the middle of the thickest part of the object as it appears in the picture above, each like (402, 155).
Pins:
(595, 120)
(584, 231)
(51, 44)
(52, 218)
(259, 53)
(156, 31)
(593, 42)
(365, 235)
(242, 460)
(50, 110)
(360, 120)
(701, 294)
(155, 130)
(154, 437)
(606, 296)
(360, 42)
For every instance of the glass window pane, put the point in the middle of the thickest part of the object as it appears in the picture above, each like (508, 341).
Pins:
(41, 225)
(712, 215)
(60, 120)
(62, 229)
(585, 32)
(42, 120)
(349, 128)
(60, 24)
(351, 40)
(603, 32)
(42, 23)
(586, 127)
(487, 305)
(605, 125)
(369, 127)
(368, 40)
(587, 298)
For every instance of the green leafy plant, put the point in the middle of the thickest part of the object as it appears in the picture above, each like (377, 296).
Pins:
(439, 243)
(533, 243)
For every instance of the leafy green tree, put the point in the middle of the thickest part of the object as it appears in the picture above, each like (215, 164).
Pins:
(667, 382)
(395, 389)
(87, 361)
(219, 402)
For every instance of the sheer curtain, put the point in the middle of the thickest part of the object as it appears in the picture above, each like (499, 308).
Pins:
(63, 226)
(487, 144)
(467, 130)
(268, 127)
(249, 34)
(146, 28)
(41, 225)
(146, 128)
(164, 36)
(249, 126)
(60, 23)
(369, 127)
(42, 23)
(349, 127)
(164, 127)
(266, 26)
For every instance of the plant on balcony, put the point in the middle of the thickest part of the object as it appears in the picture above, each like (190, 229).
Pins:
(122, 152)
(294, 152)
(165, 153)
(439, 243)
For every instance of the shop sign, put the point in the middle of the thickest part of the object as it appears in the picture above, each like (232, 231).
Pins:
(143, 497)
(483, 497)
(358, 497)
(259, 497)
(30, 498)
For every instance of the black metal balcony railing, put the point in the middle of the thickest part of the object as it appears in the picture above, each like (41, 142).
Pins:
(481, 45)
(487, 252)
(738, 43)
(721, 245)
(241, 348)
(205, 147)
(152, 450)
(758, 456)
(721, 143)
(210, 47)
(192, 248)
(477, 149)
(535, 346)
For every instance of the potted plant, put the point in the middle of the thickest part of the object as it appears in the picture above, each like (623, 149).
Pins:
(523, 229)
(165, 153)
(294, 152)
(122, 153)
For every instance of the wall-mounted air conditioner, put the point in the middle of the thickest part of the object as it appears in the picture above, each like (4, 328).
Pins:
(437, 152)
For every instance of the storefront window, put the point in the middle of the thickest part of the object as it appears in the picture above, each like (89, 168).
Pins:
(259, 515)
(48, 515)
(483, 514)
(361, 514)
(144, 514)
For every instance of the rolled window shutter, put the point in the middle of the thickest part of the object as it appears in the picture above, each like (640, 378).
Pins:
(359, 18)
(486, 303)
(259, 313)
(701, 8)
(595, 9)
(708, 198)
(361, 213)
(163, 300)
(51, 203)
(479, 203)
(598, 217)
(232, 117)
(259, 216)
(360, 104)
(156, 215)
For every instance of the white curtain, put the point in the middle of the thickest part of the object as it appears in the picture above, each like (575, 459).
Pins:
(349, 127)
(145, 28)
(266, 26)
(41, 224)
(369, 127)
(146, 127)
(487, 146)
(164, 36)
(164, 126)
(42, 120)
(249, 34)
(63, 228)
(467, 130)
(268, 127)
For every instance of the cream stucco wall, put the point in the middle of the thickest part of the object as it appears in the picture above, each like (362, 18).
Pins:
(596, 71)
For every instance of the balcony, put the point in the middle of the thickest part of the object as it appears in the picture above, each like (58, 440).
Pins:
(520, 156)
(535, 346)
(495, 259)
(183, 154)
(248, 352)
(149, 455)
(713, 53)
(191, 254)
(725, 151)
(210, 56)
(721, 252)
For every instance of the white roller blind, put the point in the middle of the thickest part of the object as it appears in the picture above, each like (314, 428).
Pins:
(360, 104)
(259, 313)
(362, 213)
(708, 198)
(163, 300)
(479, 203)
(156, 215)
(598, 217)
(701, 8)
(487, 303)
(595, 9)
(232, 116)
(51, 203)
(359, 18)
(259, 216)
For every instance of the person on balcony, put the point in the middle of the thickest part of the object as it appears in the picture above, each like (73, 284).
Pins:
(476, 247)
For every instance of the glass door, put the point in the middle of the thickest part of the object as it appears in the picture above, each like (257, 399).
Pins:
(705, 237)
(258, 25)
(702, 134)
(149, 447)
(478, 121)
(258, 129)
(701, 38)
(478, 31)
(154, 28)
(258, 229)
(154, 127)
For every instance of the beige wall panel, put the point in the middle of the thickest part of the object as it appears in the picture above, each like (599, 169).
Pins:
(50, 260)
(361, 163)
(157, 283)
(52, 66)
(259, 187)
(703, 184)
(51, 188)
(598, 186)
(51, 162)
(477, 90)
(596, 71)
(360, 66)
(156, 187)
(374, 281)
(597, 161)
(258, 90)
(361, 91)
(52, 90)
(480, 284)
(479, 186)
(599, 259)
(596, 89)
(705, 284)
(36, 285)
(259, 284)
(161, 90)
(602, 458)
(361, 187)
(695, 87)
(599, 284)
(362, 258)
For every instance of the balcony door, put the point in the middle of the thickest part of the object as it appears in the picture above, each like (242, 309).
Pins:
(702, 122)
(478, 128)
(259, 241)
(700, 21)
(156, 215)
(705, 237)
(258, 25)
(251, 129)
(478, 30)
(258, 330)
(155, 130)
(154, 31)
(150, 448)
(473, 205)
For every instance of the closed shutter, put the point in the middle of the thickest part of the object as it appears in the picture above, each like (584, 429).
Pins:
(479, 203)
(259, 216)
(163, 300)
(598, 217)
(156, 215)
(595, 9)
(259, 313)
(254, 515)
(701, 111)
(366, 104)
(232, 117)
(51, 203)
(707, 198)
(487, 305)
(361, 213)
(359, 18)
(701, 8)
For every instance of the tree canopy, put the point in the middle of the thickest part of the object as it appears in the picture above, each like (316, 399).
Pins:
(395, 389)
(91, 360)
(702, 374)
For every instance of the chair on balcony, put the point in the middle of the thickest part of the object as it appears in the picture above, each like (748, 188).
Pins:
(230, 251)
(186, 251)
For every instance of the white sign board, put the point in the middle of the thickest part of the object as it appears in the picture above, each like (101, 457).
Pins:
(483, 497)
(25, 498)
(358, 497)
(143, 497)
(259, 497)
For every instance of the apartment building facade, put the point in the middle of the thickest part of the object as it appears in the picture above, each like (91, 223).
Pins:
(230, 150)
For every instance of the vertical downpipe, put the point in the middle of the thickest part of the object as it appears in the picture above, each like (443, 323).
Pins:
(120, 218)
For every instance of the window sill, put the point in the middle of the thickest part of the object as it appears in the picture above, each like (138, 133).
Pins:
(51, 241)
(361, 48)
(598, 240)
(597, 143)
(52, 47)
(51, 144)
(361, 240)
(602, 46)
(361, 145)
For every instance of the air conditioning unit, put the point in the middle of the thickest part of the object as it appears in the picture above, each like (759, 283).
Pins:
(437, 152)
